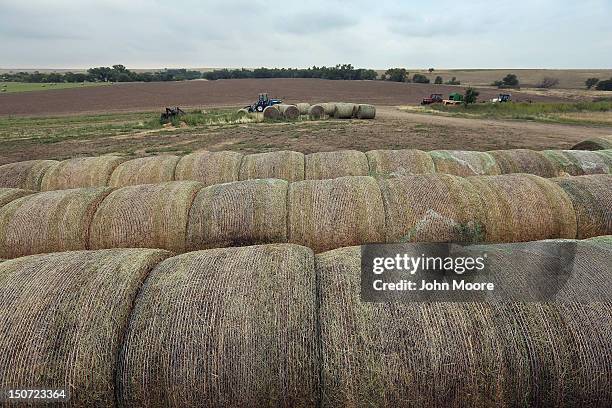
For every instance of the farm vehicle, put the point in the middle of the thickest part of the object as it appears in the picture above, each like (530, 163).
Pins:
(453, 99)
(171, 113)
(502, 98)
(263, 101)
(433, 98)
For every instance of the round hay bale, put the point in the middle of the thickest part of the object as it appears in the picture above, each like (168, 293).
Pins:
(577, 162)
(288, 111)
(421, 354)
(284, 165)
(244, 112)
(432, 208)
(63, 318)
(328, 165)
(241, 213)
(595, 143)
(52, 221)
(591, 197)
(270, 112)
(523, 161)
(238, 328)
(26, 175)
(399, 162)
(10, 194)
(209, 168)
(81, 172)
(327, 214)
(365, 111)
(344, 110)
(316, 112)
(304, 108)
(524, 207)
(464, 163)
(144, 216)
(144, 170)
(329, 108)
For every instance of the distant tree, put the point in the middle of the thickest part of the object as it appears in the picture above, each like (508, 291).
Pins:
(548, 82)
(510, 81)
(453, 81)
(470, 96)
(438, 80)
(420, 79)
(431, 70)
(604, 85)
(396, 74)
(591, 82)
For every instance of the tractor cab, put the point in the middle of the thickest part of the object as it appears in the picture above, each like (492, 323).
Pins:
(263, 101)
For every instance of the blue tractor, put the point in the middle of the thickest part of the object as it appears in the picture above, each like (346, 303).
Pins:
(263, 101)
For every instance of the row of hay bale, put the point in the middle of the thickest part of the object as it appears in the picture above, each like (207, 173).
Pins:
(277, 325)
(212, 168)
(320, 214)
(595, 143)
(337, 110)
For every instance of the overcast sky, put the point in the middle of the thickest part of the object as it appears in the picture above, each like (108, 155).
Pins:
(277, 33)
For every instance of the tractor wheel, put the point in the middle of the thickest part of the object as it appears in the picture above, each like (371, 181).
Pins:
(260, 108)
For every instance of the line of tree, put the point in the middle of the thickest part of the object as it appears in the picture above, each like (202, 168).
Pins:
(605, 85)
(119, 73)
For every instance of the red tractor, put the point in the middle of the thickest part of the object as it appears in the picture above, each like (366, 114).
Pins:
(433, 98)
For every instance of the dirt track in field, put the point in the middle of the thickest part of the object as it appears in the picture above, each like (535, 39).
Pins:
(234, 92)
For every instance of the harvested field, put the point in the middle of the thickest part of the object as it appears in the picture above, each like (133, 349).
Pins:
(591, 197)
(325, 214)
(80, 172)
(328, 165)
(464, 163)
(578, 162)
(233, 92)
(524, 207)
(10, 194)
(144, 216)
(422, 354)
(145, 170)
(524, 161)
(241, 213)
(52, 221)
(255, 342)
(399, 162)
(209, 168)
(284, 165)
(63, 318)
(432, 208)
(595, 143)
(26, 175)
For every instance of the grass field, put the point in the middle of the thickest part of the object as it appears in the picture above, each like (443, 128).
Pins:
(14, 87)
(582, 113)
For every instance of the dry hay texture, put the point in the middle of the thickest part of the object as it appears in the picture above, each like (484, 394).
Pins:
(329, 108)
(63, 317)
(365, 111)
(399, 162)
(327, 214)
(26, 175)
(145, 170)
(457, 354)
(596, 143)
(578, 162)
(225, 327)
(10, 194)
(145, 216)
(271, 112)
(80, 172)
(328, 165)
(523, 161)
(304, 108)
(432, 208)
(241, 213)
(345, 110)
(209, 168)
(524, 207)
(464, 163)
(284, 165)
(288, 111)
(591, 197)
(51, 221)
(316, 112)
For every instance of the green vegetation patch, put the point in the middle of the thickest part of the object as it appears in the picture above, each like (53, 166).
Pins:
(14, 87)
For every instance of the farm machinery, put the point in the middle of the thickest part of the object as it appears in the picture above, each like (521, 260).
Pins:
(263, 101)
(502, 98)
(171, 113)
(453, 99)
(433, 98)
